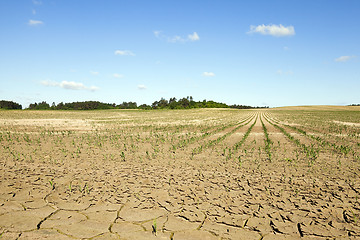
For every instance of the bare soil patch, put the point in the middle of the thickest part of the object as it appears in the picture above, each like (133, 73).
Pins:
(174, 175)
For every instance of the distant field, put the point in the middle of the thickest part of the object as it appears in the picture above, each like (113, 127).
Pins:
(280, 173)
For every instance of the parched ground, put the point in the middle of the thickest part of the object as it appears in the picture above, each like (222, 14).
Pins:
(288, 173)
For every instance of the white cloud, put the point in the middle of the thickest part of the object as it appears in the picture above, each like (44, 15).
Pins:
(273, 30)
(37, 2)
(344, 58)
(208, 74)
(116, 75)
(124, 53)
(281, 72)
(68, 85)
(34, 12)
(194, 37)
(94, 73)
(35, 22)
(141, 87)
(76, 86)
(286, 48)
(49, 83)
(157, 33)
(174, 39)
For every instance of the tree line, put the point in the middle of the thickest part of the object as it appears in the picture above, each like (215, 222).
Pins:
(172, 103)
(184, 103)
(87, 105)
(9, 105)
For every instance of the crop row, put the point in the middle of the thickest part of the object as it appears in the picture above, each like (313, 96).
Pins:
(312, 153)
(342, 149)
(208, 144)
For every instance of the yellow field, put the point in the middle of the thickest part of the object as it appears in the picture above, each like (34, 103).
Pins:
(284, 173)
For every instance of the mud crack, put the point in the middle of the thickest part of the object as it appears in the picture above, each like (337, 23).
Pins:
(44, 219)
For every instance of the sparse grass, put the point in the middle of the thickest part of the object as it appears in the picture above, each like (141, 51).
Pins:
(196, 143)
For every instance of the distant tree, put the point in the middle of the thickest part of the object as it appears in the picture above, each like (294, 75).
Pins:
(171, 100)
(145, 107)
(127, 105)
(155, 105)
(9, 105)
(172, 103)
(88, 105)
(32, 106)
(184, 102)
(192, 103)
(60, 106)
(163, 103)
(245, 107)
(39, 106)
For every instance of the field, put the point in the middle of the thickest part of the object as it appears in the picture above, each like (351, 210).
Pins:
(284, 173)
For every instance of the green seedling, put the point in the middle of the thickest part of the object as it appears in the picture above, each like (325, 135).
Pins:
(240, 162)
(355, 219)
(154, 227)
(122, 156)
(51, 183)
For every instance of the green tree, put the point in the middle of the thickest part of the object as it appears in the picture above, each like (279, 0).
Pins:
(9, 105)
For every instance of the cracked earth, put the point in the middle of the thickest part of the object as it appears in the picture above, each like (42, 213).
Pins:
(197, 174)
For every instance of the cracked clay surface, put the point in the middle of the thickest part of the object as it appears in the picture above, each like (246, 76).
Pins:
(197, 174)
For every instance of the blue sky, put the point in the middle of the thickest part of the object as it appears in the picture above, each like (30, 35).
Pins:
(275, 53)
